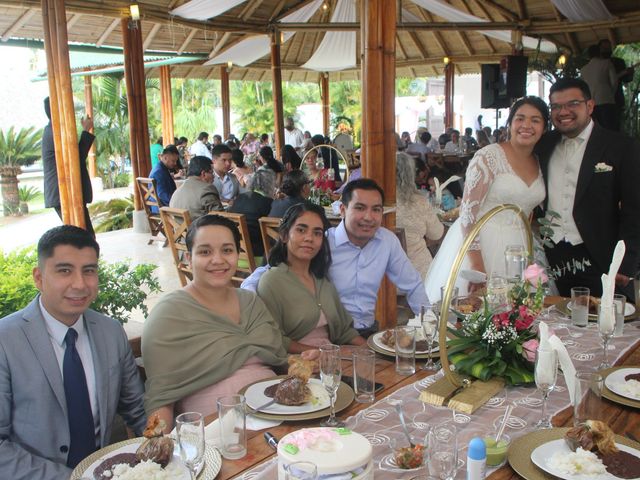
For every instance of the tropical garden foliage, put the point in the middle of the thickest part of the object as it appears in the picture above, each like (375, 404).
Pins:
(18, 148)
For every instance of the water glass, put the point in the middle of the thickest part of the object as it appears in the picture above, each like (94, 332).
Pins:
(620, 301)
(233, 428)
(498, 293)
(364, 374)
(190, 434)
(515, 260)
(580, 306)
(546, 374)
(587, 396)
(606, 327)
(300, 471)
(330, 375)
(405, 350)
(442, 450)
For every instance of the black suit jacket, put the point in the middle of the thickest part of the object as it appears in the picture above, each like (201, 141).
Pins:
(51, 188)
(606, 206)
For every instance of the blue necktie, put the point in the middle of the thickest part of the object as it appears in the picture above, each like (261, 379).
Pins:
(81, 428)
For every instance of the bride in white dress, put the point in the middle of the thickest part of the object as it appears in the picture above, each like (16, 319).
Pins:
(498, 174)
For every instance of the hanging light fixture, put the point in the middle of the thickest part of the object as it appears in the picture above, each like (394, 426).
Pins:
(446, 60)
(229, 66)
(134, 10)
(562, 60)
(325, 5)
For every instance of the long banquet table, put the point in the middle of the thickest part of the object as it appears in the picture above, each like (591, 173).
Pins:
(377, 420)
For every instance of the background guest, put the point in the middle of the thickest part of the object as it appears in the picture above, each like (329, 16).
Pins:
(295, 187)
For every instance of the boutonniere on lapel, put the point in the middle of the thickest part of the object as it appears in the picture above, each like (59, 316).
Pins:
(602, 168)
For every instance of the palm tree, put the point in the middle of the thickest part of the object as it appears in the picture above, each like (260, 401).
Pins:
(17, 149)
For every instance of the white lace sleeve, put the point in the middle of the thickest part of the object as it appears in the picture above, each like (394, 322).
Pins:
(480, 174)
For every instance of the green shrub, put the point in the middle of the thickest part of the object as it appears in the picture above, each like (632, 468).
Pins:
(26, 194)
(122, 180)
(114, 214)
(123, 287)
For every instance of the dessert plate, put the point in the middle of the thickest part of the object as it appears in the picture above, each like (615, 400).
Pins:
(615, 381)
(377, 340)
(255, 398)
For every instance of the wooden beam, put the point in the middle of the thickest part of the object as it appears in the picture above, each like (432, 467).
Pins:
(192, 34)
(411, 26)
(487, 40)
(522, 9)
(437, 35)
(226, 102)
(249, 8)
(416, 40)
(277, 10)
(378, 119)
(326, 103)
(289, 11)
(18, 24)
(166, 105)
(73, 20)
(570, 39)
(278, 110)
(506, 13)
(88, 111)
(107, 32)
(151, 35)
(220, 44)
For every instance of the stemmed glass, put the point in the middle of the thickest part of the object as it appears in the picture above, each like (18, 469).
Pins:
(442, 450)
(330, 375)
(606, 327)
(546, 375)
(430, 330)
(190, 432)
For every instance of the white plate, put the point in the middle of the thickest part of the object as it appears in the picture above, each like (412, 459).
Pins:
(473, 276)
(377, 339)
(541, 456)
(255, 398)
(615, 380)
(629, 309)
(182, 473)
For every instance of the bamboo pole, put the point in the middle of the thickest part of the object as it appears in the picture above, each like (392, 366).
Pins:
(326, 107)
(378, 120)
(166, 105)
(88, 111)
(63, 121)
(226, 102)
(278, 111)
(449, 80)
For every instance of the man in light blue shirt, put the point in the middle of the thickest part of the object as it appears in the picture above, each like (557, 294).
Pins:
(362, 253)
(226, 183)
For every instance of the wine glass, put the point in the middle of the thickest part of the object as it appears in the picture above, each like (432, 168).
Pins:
(330, 374)
(190, 432)
(430, 330)
(442, 450)
(546, 374)
(606, 327)
(301, 471)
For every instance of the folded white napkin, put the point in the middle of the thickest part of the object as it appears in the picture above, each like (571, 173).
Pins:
(609, 280)
(553, 342)
(212, 431)
(335, 207)
(440, 188)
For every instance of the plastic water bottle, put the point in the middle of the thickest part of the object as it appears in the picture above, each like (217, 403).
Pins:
(476, 459)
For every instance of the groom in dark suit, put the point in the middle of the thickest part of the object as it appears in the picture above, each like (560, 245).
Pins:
(593, 182)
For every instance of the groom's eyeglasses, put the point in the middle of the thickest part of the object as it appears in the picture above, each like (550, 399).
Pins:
(572, 105)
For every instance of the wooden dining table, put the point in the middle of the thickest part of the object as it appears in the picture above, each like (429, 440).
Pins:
(622, 419)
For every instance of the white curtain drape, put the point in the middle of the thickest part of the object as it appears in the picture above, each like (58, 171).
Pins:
(253, 48)
(447, 12)
(204, 9)
(337, 51)
(583, 10)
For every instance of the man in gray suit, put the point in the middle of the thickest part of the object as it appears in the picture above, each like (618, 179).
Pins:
(197, 194)
(65, 370)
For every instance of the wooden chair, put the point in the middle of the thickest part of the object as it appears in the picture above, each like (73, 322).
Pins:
(151, 202)
(176, 222)
(246, 262)
(402, 237)
(269, 228)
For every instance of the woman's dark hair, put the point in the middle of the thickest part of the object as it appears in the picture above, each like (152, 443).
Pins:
(320, 263)
(212, 220)
(264, 137)
(64, 235)
(293, 182)
(238, 157)
(267, 155)
(291, 156)
(535, 102)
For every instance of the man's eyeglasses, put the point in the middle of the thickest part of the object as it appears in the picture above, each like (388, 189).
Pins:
(572, 105)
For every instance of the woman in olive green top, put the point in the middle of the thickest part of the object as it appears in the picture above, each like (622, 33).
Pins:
(296, 289)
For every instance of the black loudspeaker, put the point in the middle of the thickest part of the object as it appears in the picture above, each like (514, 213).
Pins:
(503, 83)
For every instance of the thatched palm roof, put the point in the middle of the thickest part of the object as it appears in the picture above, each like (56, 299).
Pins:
(423, 38)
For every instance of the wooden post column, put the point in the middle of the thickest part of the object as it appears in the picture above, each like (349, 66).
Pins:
(326, 104)
(88, 111)
(226, 102)
(278, 110)
(137, 102)
(166, 105)
(449, 71)
(63, 121)
(378, 30)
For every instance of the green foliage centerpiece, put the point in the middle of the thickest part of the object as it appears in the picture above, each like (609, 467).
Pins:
(501, 341)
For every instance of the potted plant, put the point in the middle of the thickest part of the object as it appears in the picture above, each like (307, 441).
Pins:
(25, 195)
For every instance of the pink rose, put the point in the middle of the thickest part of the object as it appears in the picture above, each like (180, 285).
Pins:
(535, 273)
(529, 349)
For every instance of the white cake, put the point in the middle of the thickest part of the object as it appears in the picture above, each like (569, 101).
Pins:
(337, 453)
